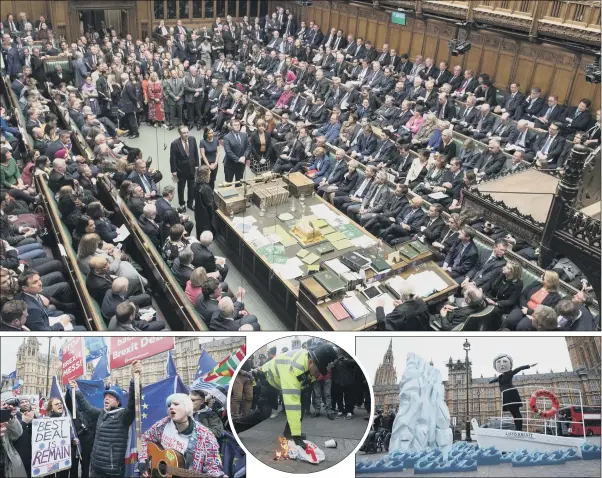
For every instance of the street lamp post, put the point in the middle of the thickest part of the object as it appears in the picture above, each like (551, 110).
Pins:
(467, 348)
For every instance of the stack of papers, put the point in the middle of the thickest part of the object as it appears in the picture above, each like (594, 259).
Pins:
(363, 241)
(342, 244)
(284, 237)
(354, 307)
(337, 266)
(426, 283)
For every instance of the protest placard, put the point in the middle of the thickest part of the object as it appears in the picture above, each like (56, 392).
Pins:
(50, 446)
(125, 350)
(74, 364)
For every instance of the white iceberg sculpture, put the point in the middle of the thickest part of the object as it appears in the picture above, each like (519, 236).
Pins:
(423, 418)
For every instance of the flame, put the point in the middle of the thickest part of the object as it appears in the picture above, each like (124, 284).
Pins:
(281, 453)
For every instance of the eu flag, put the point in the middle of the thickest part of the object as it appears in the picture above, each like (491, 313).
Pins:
(152, 399)
(95, 347)
(170, 366)
(93, 390)
(206, 364)
(101, 371)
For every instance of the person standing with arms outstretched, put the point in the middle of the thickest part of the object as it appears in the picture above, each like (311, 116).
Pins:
(112, 427)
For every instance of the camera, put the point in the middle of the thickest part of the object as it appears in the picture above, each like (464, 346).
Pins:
(12, 402)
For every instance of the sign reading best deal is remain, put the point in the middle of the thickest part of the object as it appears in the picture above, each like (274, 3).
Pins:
(125, 350)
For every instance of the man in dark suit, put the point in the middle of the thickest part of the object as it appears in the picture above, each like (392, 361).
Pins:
(315, 36)
(129, 104)
(410, 313)
(468, 85)
(207, 302)
(576, 118)
(503, 129)
(483, 123)
(452, 316)
(184, 160)
(163, 204)
(59, 76)
(203, 257)
(532, 106)
(141, 177)
(289, 27)
(99, 281)
(550, 114)
(467, 116)
(366, 144)
(406, 223)
(182, 267)
(574, 317)
(227, 318)
(443, 75)
(548, 147)
(431, 226)
(490, 162)
(236, 147)
(391, 208)
(488, 267)
(339, 42)
(193, 98)
(463, 255)
(429, 71)
(39, 314)
(512, 102)
(149, 225)
(117, 294)
(523, 138)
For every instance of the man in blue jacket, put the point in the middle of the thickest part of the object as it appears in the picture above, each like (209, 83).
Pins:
(331, 129)
(320, 167)
(112, 427)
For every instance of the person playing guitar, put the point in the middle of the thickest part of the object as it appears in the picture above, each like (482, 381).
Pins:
(177, 445)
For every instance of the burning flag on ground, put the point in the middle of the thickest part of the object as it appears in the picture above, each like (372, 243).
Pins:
(288, 450)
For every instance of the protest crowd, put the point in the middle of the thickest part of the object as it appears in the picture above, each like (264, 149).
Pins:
(114, 431)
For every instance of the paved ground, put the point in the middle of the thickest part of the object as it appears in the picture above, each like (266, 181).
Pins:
(155, 143)
(261, 440)
(580, 468)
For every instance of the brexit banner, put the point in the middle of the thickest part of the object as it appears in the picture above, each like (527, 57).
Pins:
(125, 350)
(73, 358)
(50, 446)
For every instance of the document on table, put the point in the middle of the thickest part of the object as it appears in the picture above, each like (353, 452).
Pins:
(426, 283)
(287, 272)
(244, 220)
(285, 238)
(438, 195)
(285, 216)
(294, 262)
(342, 244)
(256, 238)
(363, 241)
(337, 266)
(388, 300)
(122, 234)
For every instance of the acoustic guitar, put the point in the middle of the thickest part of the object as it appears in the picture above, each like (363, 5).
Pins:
(166, 463)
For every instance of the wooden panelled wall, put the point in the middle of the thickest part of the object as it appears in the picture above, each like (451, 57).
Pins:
(33, 9)
(553, 69)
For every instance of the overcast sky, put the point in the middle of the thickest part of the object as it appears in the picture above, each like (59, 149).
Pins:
(11, 344)
(547, 352)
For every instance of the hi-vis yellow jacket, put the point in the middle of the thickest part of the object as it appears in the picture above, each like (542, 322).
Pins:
(281, 373)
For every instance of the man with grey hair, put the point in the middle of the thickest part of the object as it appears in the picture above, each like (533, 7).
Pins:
(150, 226)
(451, 316)
(374, 201)
(544, 318)
(80, 72)
(182, 267)
(410, 312)
(118, 294)
(163, 204)
(203, 257)
(223, 319)
(193, 98)
(59, 176)
(141, 177)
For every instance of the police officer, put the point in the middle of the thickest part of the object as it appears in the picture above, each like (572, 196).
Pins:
(289, 373)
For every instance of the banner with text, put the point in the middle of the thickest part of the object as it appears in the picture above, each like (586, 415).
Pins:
(50, 446)
(73, 358)
(125, 350)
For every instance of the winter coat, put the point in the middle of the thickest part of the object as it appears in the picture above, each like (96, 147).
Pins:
(111, 440)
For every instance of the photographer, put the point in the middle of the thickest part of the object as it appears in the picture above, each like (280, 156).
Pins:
(10, 431)
(23, 443)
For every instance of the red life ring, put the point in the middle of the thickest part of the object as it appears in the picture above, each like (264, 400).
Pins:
(544, 413)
